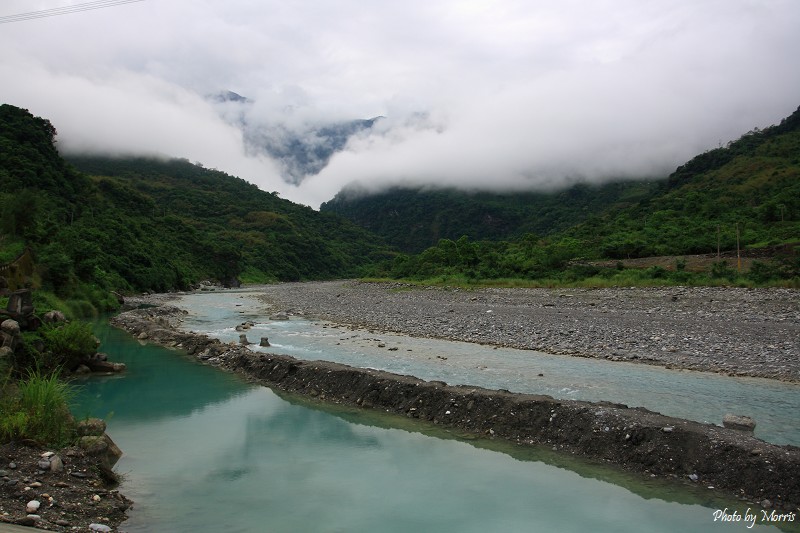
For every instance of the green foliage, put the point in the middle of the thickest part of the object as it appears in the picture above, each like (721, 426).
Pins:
(146, 224)
(70, 342)
(413, 219)
(10, 250)
(747, 192)
(37, 410)
(762, 272)
(721, 270)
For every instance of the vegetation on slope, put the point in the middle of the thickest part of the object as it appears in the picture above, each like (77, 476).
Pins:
(746, 194)
(144, 224)
(413, 219)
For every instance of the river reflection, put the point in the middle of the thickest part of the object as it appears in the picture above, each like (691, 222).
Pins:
(205, 451)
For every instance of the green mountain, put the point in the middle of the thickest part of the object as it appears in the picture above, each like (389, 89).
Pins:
(753, 182)
(147, 224)
(412, 219)
(752, 185)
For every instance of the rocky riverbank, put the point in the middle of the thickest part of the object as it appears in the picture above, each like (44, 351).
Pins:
(733, 331)
(722, 459)
(62, 490)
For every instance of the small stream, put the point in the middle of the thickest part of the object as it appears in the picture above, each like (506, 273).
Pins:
(207, 452)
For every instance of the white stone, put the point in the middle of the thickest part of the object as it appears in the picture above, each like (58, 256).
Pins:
(100, 527)
(33, 506)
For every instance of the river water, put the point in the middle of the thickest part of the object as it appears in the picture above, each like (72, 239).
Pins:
(206, 451)
(700, 396)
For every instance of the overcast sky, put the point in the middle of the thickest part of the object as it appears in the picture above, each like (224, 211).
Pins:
(505, 93)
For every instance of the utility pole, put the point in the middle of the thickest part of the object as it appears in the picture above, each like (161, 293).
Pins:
(738, 252)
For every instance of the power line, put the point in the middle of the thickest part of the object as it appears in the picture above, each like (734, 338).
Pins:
(76, 8)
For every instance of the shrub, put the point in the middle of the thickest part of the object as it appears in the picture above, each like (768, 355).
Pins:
(720, 269)
(70, 343)
(761, 272)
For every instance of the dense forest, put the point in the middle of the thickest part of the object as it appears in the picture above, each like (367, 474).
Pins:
(413, 219)
(97, 224)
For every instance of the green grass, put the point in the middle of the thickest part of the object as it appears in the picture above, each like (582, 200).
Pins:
(604, 278)
(37, 409)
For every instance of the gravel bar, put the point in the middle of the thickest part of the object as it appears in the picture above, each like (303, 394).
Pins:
(734, 331)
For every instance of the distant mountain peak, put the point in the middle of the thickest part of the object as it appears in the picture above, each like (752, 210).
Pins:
(228, 96)
(299, 150)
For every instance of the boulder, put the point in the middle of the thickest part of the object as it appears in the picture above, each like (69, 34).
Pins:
(741, 423)
(91, 426)
(56, 464)
(20, 303)
(5, 351)
(102, 447)
(53, 317)
(264, 342)
(10, 327)
(96, 365)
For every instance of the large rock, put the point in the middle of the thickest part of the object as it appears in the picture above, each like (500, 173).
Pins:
(20, 303)
(5, 352)
(53, 317)
(741, 423)
(102, 447)
(96, 365)
(91, 427)
(10, 326)
(9, 334)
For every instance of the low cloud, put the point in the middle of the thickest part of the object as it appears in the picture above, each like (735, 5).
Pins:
(498, 94)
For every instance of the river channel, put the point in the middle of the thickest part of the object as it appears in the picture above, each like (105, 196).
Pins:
(206, 451)
(700, 396)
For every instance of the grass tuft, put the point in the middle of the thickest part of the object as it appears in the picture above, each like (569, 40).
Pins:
(37, 410)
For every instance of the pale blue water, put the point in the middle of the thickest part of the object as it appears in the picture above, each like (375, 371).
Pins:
(207, 452)
(700, 396)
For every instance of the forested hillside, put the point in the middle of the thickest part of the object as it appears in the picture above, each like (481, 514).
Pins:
(752, 185)
(144, 224)
(744, 195)
(753, 182)
(413, 219)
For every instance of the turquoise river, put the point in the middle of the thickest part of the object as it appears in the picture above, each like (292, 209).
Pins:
(207, 452)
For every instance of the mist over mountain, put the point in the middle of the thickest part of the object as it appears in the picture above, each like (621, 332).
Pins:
(299, 147)
(744, 193)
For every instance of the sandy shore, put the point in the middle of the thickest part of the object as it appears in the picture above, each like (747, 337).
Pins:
(727, 330)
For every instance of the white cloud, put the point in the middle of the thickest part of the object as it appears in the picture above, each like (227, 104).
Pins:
(476, 93)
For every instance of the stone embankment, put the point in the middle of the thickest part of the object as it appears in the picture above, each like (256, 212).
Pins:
(732, 331)
(729, 460)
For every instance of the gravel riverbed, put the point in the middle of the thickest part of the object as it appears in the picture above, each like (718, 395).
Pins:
(743, 332)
